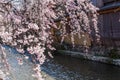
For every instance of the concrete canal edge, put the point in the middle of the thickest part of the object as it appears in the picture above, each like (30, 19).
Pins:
(101, 59)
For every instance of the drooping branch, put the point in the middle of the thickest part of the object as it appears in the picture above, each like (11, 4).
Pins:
(28, 26)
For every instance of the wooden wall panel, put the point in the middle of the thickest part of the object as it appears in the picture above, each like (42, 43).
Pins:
(110, 31)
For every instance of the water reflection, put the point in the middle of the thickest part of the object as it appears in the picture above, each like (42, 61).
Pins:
(68, 68)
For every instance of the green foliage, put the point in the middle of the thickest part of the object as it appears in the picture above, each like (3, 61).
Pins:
(114, 54)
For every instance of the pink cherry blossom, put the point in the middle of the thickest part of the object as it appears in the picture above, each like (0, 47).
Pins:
(30, 26)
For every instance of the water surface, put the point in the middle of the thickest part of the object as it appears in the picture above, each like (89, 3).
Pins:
(68, 68)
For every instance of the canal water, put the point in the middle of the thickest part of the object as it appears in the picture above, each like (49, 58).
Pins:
(62, 68)
(68, 68)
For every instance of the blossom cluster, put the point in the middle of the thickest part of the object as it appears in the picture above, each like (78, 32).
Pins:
(28, 26)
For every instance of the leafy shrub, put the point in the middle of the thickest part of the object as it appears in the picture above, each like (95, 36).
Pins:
(114, 53)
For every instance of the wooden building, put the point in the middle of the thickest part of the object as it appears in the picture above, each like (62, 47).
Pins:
(109, 21)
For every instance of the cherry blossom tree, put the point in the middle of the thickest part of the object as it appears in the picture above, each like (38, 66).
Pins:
(27, 26)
